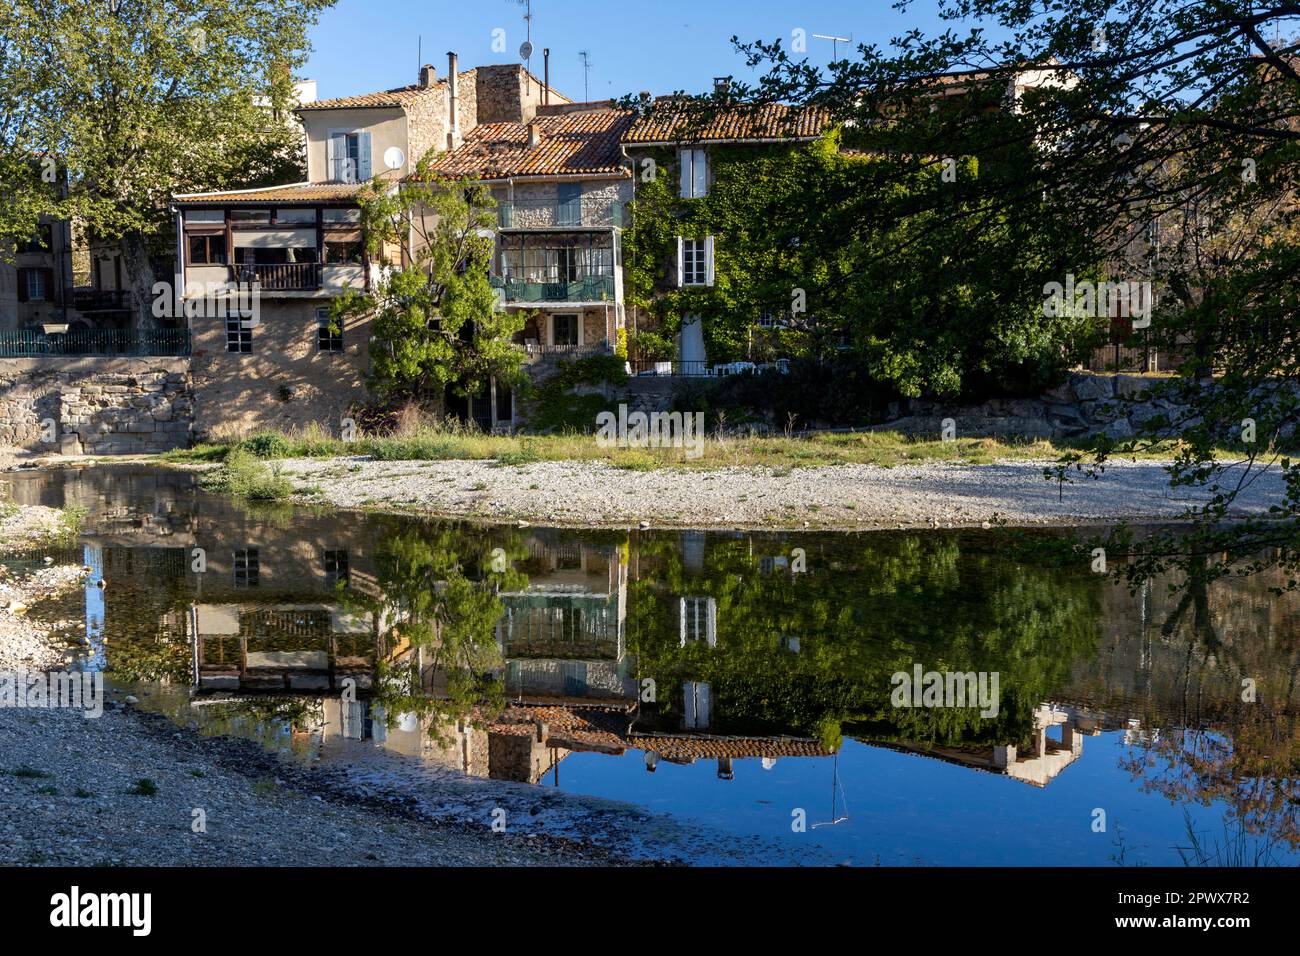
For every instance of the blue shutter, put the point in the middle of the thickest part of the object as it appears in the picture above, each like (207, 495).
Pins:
(570, 211)
(363, 156)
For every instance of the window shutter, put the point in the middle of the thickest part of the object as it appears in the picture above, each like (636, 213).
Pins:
(701, 169)
(684, 160)
(681, 265)
(337, 150)
(22, 285)
(363, 157)
(708, 260)
(51, 294)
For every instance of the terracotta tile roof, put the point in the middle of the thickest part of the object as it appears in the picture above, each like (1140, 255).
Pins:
(679, 120)
(401, 96)
(577, 143)
(686, 747)
(298, 192)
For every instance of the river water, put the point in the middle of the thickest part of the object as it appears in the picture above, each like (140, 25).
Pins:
(740, 680)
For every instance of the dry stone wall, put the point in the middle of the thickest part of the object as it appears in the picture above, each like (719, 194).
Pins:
(96, 406)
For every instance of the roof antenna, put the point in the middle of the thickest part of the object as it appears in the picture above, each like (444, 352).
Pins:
(835, 43)
(585, 56)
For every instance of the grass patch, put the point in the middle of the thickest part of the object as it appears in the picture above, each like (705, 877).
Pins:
(248, 474)
(30, 773)
(144, 787)
(245, 476)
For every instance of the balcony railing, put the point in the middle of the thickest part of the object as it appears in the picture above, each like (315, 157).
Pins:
(657, 367)
(280, 277)
(550, 214)
(589, 289)
(98, 300)
(125, 342)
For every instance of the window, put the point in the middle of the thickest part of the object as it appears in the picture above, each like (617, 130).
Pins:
(246, 568)
(296, 216)
(564, 329)
(349, 156)
(239, 334)
(329, 333)
(695, 173)
(341, 215)
(772, 319)
(695, 259)
(207, 250)
(36, 285)
(336, 567)
(42, 241)
(338, 252)
(698, 619)
(205, 216)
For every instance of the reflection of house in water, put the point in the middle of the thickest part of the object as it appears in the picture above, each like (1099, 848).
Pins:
(564, 637)
(281, 647)
(528, 741)
(1039, 764)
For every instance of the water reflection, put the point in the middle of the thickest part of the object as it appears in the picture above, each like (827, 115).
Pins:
(508, 653)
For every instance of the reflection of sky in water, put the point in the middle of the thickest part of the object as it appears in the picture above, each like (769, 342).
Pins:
(93, 557)
(901, 809)
(909, 810)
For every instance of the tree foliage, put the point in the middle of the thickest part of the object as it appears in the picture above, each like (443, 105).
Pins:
(435, 320)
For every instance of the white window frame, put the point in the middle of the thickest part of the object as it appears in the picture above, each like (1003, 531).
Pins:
(694, 165)
(701, 255)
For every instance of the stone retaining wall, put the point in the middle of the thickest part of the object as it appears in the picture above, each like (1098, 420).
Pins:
(1082, 406)
(96, 406)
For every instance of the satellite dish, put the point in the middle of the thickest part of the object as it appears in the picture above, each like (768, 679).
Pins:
(394, 158)
(525, 51)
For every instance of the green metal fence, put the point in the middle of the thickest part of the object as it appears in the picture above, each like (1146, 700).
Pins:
(127, 342)
(592, 289)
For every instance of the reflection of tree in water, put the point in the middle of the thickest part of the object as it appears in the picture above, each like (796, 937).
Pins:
(1247, 754)
(144, 632)
(1251, 764)
(436, 603)
(862, 612)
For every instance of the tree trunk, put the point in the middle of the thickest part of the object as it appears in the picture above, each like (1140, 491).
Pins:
(139, 277)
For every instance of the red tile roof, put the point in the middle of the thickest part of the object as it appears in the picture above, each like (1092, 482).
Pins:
(577, 143)
(681, 120)
(401, 96)
(296, 193)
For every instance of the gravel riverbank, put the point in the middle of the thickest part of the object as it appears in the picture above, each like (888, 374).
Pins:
(846, 497)
(123, 790)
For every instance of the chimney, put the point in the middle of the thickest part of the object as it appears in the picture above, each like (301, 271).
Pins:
(453, 102)
(546, 76)
(428, 76)
(534, 135)
(722, 85)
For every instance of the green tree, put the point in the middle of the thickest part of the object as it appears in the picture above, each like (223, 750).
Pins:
(138, 99)
(1149, 110)
(435, 320)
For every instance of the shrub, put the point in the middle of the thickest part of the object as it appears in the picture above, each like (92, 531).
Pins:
(245, 476)
(268, 445)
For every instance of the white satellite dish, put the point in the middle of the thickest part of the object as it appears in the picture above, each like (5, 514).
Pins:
(525, 51)
(394, 158)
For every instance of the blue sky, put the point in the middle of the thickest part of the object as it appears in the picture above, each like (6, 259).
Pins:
(661, 46)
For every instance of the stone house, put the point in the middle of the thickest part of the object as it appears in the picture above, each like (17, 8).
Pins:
(271, 357)
(684, 142)
(561, 185)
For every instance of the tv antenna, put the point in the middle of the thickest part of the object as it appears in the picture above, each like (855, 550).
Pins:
(526, 48)
(585, 56)
(835, 43)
